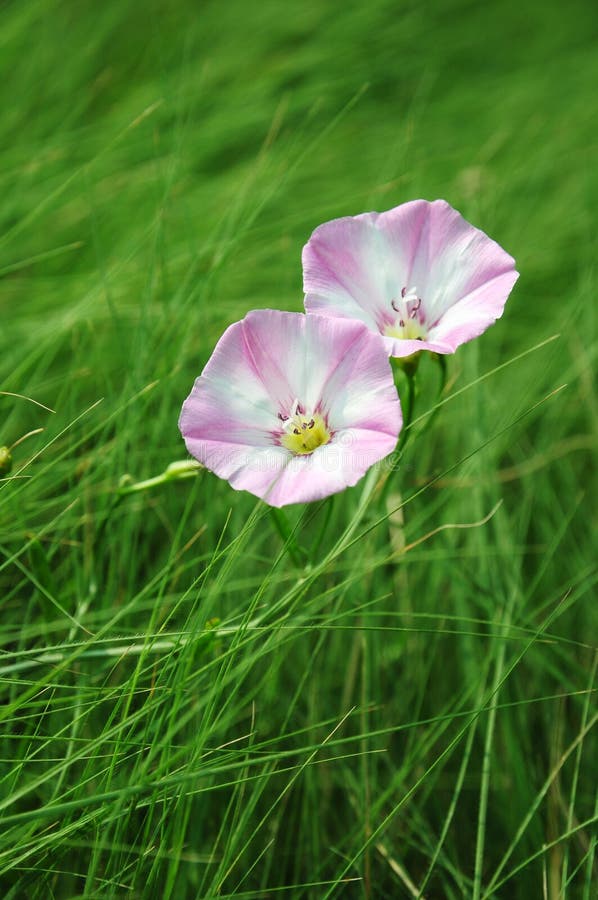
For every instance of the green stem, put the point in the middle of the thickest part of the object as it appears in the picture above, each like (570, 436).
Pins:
(405, 433)
(297, 553)
(441, 360)
(327, 515)
(409, 408)
(187, 468)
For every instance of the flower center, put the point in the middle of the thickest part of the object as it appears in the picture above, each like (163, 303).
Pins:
(409, 323)
(303, 433)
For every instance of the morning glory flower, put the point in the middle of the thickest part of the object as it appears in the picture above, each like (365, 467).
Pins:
(419, 275)
(293, 408)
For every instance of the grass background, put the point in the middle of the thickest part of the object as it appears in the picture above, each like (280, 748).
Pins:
(187, 713)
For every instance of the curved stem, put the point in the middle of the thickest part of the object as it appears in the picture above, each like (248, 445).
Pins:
(186, 468)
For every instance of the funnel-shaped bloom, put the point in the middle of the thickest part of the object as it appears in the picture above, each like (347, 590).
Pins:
(419, 275)
(292, 407)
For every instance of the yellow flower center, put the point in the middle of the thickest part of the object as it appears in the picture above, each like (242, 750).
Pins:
(303, 433)
(410, 330)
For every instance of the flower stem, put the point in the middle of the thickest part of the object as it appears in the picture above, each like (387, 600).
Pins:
(176, 471)
(441, 360)
(297, 553)
(327, 515)
(408, 415)
(409, 408)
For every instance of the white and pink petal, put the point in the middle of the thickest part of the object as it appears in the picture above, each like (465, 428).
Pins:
(274, 365)
(401, 272)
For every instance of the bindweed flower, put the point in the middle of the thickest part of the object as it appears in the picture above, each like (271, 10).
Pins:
(293, 408)
(419, 275)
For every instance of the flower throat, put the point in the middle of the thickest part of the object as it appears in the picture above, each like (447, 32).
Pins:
(302, 433)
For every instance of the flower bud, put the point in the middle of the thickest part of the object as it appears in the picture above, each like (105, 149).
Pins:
(182, 469)
(5, 460)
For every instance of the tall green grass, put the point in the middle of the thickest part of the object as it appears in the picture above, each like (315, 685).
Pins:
(187, 712)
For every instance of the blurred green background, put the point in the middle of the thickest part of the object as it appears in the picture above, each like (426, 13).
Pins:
(162, 165)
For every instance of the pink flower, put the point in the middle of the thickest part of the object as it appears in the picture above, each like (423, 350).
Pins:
(292, 408)
(419, 275)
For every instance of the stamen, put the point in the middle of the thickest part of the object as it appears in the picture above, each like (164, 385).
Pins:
(302, 434)
(414, 309)
(410, 324)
